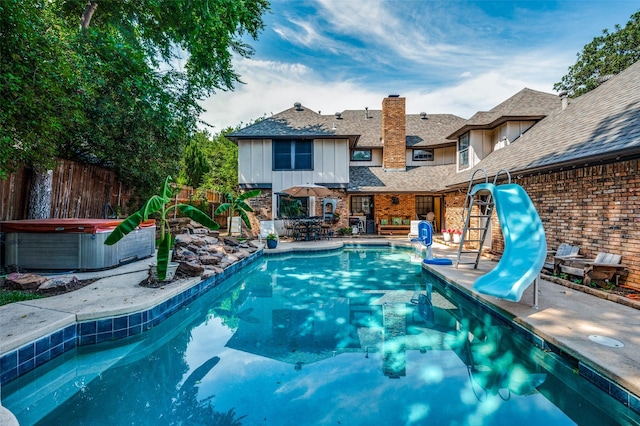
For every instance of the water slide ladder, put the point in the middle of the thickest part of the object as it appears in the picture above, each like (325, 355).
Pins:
(476, 216)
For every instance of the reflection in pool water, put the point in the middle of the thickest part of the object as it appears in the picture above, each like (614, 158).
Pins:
(358, 336)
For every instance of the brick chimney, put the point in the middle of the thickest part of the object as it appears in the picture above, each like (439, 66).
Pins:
(394, 133)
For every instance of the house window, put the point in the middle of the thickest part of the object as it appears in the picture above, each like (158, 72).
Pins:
(423, 155)
(463, 151)
(361, 204)
(292, 155)
(424, 205)
(361, 155)
(291, 207)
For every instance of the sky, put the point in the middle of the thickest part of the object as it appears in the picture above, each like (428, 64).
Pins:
(443, 56)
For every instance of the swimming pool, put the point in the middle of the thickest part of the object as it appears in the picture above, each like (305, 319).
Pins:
(355, 336)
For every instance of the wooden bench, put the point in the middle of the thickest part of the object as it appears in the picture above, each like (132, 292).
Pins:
(603, 268)
(394, 227)
(391, 229)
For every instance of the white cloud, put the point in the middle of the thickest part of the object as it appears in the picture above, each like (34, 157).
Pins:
(275, 86)
(272, 87)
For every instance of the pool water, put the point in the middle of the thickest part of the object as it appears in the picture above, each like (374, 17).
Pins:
(358, 336)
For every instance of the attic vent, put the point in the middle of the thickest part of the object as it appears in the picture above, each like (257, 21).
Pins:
(339, 115)
(423, 115)
(366, 113)
(298, 106)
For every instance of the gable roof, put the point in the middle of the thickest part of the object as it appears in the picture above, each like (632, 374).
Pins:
(363, 127)
(295, 122)
(602, 125)
(420, 179)
(527, 104)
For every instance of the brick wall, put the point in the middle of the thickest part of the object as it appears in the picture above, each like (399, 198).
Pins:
(384, 208)
(394, 131)
(596, 208)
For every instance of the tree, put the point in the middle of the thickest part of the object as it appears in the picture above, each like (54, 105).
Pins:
(195, 164)
(607, 54)
(39, 78)
(116, 91)
(223, 161)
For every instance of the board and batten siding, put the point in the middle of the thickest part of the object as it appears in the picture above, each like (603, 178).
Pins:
(376, 159)
(330, 164)
(441, 156)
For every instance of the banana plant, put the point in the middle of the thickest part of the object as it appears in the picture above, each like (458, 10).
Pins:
(160, 205)
(238, 205)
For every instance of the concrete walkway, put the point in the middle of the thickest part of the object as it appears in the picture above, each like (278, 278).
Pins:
(565, 317)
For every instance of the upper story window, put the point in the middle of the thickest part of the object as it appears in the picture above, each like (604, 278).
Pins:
(361, 155)
(422, 155)
(292, 155)
(463, 151)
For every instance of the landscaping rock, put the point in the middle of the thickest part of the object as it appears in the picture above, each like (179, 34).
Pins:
(210, 260)
(230, 241)
(193, 268)
(183, 240)
(201, 252)
(56, 285)
(26, 281)
(210, 240)
(183, 254)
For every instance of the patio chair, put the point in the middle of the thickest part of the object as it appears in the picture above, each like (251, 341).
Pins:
(413, 231)
(604, 268)
(564, 253)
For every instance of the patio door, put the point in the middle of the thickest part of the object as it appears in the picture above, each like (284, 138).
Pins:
(362, 205)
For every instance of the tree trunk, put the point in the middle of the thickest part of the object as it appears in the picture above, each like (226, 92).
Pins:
(40, 195)
(88, 14)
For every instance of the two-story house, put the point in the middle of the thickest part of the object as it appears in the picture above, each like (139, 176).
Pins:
(578, 159)
(382, 165)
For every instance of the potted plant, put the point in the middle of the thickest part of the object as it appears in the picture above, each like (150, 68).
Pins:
(161, 206)
(336, 217)
(237, 204)
(272, 240)
(446, 234)
(457, 234)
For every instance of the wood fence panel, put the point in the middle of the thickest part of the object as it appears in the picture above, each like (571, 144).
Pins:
(79, 191)
(14, 195)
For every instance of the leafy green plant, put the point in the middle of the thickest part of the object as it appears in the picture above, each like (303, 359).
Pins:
(577, 281)
(345, 231)
(160, 205)
(238, 205)
(272, 236)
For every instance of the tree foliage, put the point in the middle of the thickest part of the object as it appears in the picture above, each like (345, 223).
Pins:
(39, 78)
(609, 53)
(122, 88)
(195, 163)
(223, 164)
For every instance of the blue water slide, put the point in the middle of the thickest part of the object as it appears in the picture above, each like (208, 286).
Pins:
(525, 245)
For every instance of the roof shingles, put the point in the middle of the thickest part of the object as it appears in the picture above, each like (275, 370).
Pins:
(604, 122)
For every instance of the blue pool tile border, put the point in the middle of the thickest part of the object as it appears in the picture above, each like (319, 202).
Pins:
(608, 386)
(34, 354)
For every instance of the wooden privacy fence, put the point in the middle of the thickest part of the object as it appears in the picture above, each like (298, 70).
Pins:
(79, 191)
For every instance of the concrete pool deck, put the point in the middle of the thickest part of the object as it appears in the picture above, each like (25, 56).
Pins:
(565, 317)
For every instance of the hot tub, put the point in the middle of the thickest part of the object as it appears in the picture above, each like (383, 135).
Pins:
(73, 244)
